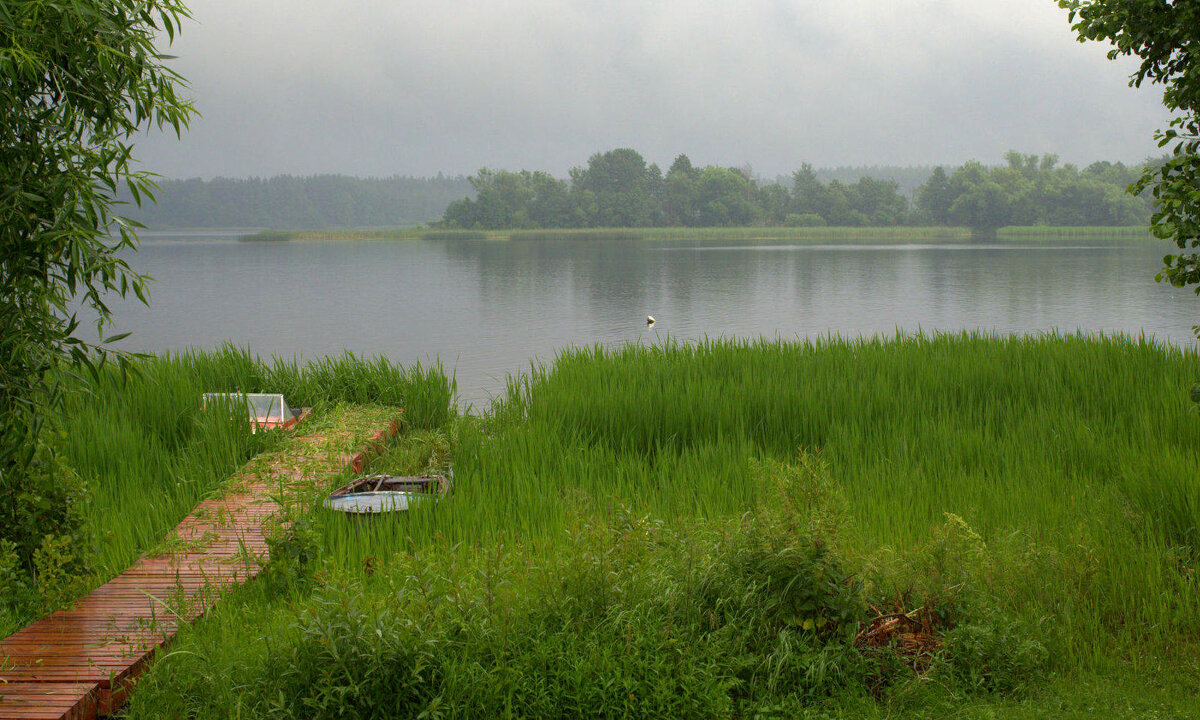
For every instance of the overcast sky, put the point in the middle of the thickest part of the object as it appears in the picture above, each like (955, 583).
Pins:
(381, 87)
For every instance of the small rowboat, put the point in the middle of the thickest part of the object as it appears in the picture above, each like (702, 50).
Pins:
(387, 493)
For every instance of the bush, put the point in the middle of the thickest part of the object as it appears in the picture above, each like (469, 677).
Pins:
(47, 498)
(804, 220)
(995, 657)
(347, 662)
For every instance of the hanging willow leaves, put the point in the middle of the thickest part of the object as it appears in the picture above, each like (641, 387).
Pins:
(78, 78)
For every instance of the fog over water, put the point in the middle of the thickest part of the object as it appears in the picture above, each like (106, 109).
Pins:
(376, 87)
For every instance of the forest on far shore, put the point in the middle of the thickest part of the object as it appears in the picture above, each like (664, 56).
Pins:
(619, 189)
(299, 202)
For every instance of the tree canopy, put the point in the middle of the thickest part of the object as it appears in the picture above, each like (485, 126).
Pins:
(299, 202)
(1165, 36)
(619, 189)
(78, 78)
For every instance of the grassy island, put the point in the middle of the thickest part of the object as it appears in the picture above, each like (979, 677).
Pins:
(928, 526)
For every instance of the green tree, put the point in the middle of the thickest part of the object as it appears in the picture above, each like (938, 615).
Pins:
(723, 198)
(550, 206)
(934, 198)
(1165, 35)
(679, 195)
(880, 201)
(983, 200)
(78, 79)
(502, 201)
(656, 189)
(618, 185)
(775, 202)
(838, 203)
(807, 192)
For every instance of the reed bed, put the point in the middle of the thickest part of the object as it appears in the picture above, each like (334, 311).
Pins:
(1118, 232)
(151, 451)
(711, 529)
(148, 450)
(1073, 458)
(425, 392)
(338, 235)
(1012, 430)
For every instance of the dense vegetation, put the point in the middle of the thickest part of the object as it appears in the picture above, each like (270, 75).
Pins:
(78, 80)
(726, 529)
(618, 189)
(1165, 37)
(137, 452)
(286, 201)
(339, 201)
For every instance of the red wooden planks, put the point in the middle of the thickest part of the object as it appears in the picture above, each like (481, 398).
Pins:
(79, 662)
(35, 701)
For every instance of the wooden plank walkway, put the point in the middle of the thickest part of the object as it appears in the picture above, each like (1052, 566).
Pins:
(80, 662)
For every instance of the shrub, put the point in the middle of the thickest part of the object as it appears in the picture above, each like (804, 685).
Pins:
(804, 220)
(345, 661)
(994, 657)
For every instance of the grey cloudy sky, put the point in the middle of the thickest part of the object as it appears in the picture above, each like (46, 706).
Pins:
(376, 87)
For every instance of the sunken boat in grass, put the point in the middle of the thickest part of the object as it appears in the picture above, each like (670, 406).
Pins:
(374, 494)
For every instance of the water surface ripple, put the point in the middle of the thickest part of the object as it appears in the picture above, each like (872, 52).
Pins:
(488, 308)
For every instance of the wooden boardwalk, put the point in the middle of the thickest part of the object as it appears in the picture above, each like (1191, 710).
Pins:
(79, 662)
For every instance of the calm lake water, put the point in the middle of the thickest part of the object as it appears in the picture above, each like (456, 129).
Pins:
(490, 308)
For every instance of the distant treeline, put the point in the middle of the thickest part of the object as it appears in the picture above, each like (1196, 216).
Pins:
(287, 201)
(908, 178)
(619, 189)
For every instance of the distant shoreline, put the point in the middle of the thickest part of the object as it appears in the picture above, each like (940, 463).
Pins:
(846, 234)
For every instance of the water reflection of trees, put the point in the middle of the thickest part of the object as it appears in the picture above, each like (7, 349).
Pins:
(613, 279)
(697, 289)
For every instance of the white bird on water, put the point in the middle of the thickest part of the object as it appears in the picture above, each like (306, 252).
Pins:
(650, 320)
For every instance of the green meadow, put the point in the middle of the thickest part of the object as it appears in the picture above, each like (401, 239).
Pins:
(960, 525)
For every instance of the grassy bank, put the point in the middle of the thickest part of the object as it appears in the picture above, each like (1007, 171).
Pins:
(790, 234)
(716, 530)
(147, 451)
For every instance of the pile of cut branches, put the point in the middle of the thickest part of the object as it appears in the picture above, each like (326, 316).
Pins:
(913, 634)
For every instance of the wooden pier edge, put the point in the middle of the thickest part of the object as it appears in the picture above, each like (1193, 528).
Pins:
(374, 446)
(80, 663)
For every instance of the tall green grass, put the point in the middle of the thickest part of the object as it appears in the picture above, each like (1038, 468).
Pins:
(1075, 458)
(1126, 232)
(1011, 429)
(650, 528)
(148, 450)
(425, 392)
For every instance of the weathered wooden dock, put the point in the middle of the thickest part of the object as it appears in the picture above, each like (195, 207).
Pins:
(80, 662)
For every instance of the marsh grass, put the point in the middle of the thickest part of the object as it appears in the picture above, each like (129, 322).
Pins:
(1072, 458)
(698, 530)
(149, 451)
(1127, 232)
(620, 620)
